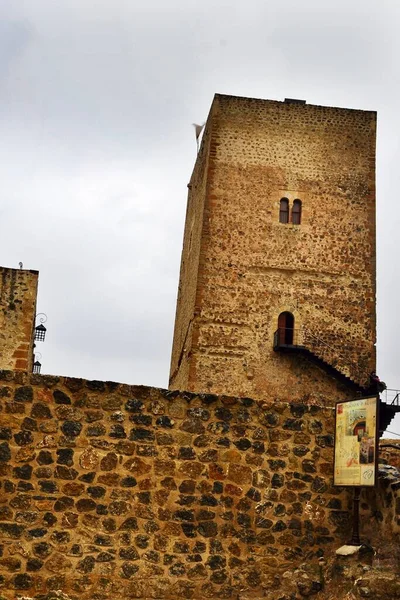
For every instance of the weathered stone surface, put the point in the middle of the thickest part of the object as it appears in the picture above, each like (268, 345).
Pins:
(191, 507)
(89, 459)
(239, 474)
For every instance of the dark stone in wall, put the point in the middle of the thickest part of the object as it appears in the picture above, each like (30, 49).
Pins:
(319, 485)
(95, 430)
(129, 553)
(44, 458)
(23, 438)
(293, 424)
(165, 421)
(141, 419)
(208, 529)
(139, 434)
(243, 444)
(23, 394)
(86, 565)
(279, 526)
(341, 519)
(34, 564)
(66, 473)
(29, 424)
(88, 477)
(22, 581)
(224, 414)
(48, 487)
(24, 486)
(325, 441)
(298, 410)
(85, 505)
(5, 433)
(277, 480)
(117, 431)
(65, 456)
(71, 428)
(94, 385)
(199, 413)
(271, 419)
(300, 450)
(186, 453)
(130, 524)
(49, 519)
(134, 405)
(11, 530)
(60, 397)
(63, 503)
(309, 466)
(41, 411)
(42, 549)
(23, 472)
(38, 532)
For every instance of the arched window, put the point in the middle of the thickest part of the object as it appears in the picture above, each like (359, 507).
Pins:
(296, 212)
(286, 328)
(284, 211)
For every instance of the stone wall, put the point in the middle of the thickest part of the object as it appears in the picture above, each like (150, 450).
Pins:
(18, 289)
(116, 491)
(252, 267)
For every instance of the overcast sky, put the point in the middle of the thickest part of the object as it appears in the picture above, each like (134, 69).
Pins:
(97, 98)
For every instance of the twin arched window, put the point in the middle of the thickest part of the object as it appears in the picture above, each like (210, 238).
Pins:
(284, 212)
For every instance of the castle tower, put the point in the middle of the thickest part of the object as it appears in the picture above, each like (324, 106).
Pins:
(18, 290)
(277, 282)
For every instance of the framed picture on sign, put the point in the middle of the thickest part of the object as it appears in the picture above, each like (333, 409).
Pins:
(356, 442)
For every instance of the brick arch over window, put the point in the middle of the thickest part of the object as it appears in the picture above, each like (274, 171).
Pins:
(284, 210)
(286, 328)
(296, 212)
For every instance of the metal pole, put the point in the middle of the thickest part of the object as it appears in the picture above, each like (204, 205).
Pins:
(355, 538)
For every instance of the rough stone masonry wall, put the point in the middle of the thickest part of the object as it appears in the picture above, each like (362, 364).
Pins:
(18, 290)
(116, 491)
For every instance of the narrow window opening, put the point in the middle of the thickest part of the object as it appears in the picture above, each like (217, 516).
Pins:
(286, 328)
(284, 211)
(296, 212)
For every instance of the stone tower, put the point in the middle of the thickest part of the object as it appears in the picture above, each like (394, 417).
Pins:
(277, 284)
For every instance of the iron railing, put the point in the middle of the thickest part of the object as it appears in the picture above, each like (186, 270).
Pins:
(286, 336)
(391, 396)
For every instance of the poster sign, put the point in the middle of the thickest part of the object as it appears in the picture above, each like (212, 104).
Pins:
(356, 442)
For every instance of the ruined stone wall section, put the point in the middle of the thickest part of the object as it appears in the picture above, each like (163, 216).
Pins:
(18, 289)
(253, 267)
(113, 491)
